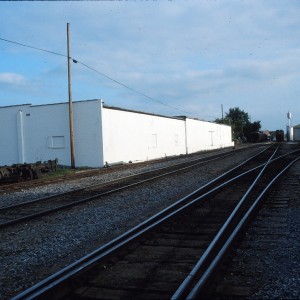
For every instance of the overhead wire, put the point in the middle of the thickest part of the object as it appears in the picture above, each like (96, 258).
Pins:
(35, 48)
(128, 87)
(100, 73)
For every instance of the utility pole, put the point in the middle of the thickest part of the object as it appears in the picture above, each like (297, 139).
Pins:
(70, 101)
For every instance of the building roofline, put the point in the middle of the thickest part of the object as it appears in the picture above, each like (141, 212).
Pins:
(67, 102)
(7, 106)
(140, 112)
(56, 103)
(183, 118)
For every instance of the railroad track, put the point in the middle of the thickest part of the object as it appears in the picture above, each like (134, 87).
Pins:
(204, 273)
(23, 212)
(247, 271)
(6, 187)
(172, 254)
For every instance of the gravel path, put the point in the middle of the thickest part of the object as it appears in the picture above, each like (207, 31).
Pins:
(38, 249)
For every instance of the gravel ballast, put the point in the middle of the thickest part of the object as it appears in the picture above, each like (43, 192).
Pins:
(33, 251)
(266, 262)
(279, 268)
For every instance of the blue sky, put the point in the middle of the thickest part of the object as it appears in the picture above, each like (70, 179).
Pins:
(193, 56)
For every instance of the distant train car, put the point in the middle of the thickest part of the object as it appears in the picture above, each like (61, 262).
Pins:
(279, 135)
(259, 136)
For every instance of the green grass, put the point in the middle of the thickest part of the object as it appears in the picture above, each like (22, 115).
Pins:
(59, 172)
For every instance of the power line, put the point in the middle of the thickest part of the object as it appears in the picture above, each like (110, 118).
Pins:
(98, 72)
(35, 48)
(128, 87)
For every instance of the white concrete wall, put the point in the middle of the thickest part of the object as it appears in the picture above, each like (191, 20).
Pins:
(207, 136)
(47, 133)
(9, 133)
(31, 133)
(296, 131)
(130, 136)
(44, 130)
(50, 134)
(88, 133)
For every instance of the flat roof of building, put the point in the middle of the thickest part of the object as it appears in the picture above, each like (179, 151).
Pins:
(17, 105)
(140, 112)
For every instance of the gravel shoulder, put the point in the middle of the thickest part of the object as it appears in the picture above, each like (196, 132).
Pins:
(279, 268)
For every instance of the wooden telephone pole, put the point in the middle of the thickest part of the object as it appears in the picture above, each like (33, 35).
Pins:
(70, 101)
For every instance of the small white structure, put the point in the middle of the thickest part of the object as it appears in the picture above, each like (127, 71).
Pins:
(289, 128)
(289, 133)
(102, 134)
(296, 130)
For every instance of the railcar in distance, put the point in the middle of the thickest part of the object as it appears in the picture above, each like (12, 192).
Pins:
(258, 136)
(279, 135)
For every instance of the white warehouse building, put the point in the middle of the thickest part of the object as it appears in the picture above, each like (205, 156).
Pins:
(102, 134)
(296, 132)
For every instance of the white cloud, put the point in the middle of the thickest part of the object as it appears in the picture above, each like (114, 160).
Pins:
(11, 78)
(195, 54)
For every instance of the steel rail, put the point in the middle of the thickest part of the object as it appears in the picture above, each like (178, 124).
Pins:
(87, 199)
(41, 289)
(200, 284)
(182, 290)
(192, 286)
(7, 188)
(93, 187)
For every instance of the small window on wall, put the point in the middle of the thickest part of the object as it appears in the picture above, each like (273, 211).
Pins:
(56, 142)
(176, 139)
(154, 140)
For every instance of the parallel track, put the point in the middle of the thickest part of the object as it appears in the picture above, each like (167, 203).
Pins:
(151, 260)
(28, 210)
(205, 270)
(6, 187)
(248, 269)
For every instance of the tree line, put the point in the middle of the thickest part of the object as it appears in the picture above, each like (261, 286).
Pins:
(240, 124)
